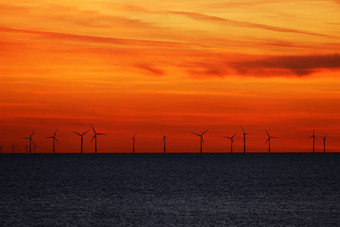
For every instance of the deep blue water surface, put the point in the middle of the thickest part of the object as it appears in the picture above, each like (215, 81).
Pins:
(170, 190)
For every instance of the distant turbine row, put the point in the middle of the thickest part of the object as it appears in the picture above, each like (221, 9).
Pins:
(96, 134)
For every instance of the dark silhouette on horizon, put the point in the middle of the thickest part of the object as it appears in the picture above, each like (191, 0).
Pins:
(95, 138)
(13, 147)
(81, 139)
(244, 139)
(30, 142)
(201, 139)
(54, 139)
(324, 143)
(268, 140)
(231, 141)
(313, 137)
(133, 143)
(164, 142)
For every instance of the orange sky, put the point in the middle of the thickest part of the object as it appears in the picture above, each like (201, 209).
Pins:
(178, 66)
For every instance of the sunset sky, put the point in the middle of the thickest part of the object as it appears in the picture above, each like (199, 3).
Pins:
(181, 66)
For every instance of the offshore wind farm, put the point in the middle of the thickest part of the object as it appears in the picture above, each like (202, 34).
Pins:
(170, 113)
(163, 141)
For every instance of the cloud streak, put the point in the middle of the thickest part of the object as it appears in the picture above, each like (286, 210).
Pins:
(299, 65)
(225, 21)
(274, 66)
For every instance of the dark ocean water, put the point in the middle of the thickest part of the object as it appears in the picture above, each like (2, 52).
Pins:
(170, 190)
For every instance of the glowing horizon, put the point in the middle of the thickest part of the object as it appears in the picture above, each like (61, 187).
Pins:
(180, 66)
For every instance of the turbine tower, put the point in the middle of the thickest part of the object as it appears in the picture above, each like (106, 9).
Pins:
(13, 148)
(231, 141)
(313, 137)
(244, 140)
(324, 143)
(133, 143)
(164, 142)
(95, 138)
(30, 142)
(54, 139)
(268, 140)
(81, 139)
(201, 139)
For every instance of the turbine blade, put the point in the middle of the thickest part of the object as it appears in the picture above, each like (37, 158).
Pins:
(267, 133)
(267, 140)
(85, 132)
(93, 138)
(32, 133)
(242, 129)
(93, 128)
(234, 135)
(56, 140)
(196, 134)
(55, 133)
(204, 132)
(103, 134)
(76, 133)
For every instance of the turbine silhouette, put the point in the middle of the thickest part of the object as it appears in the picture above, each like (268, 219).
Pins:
(13, 147)
(324, 143)
(81, 139)
(313, 137)
(31, 141)
(231, 141)
(244, 139)
(201, 139)
(54, 139)
(95, 138)
(164, 142)
(133, 143)
(268, 140)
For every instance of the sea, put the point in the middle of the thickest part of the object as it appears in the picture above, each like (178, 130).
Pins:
(170, 190)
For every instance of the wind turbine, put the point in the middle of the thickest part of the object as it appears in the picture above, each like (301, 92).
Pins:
(324, 143)
(30, 142)
(268, 140)
(164, 142)
(313, 137)
(231, 141)
(13, 148)
(95, 138)
(133, 143)
(244, 140)
(81, 139)
(201, 141)
(54, 138)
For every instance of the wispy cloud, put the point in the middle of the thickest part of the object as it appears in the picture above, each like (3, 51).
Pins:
(151, 69)
(225, 21)
(299, 65)
(275, 66)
